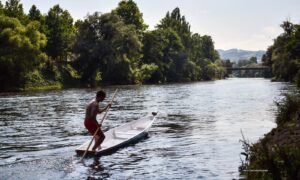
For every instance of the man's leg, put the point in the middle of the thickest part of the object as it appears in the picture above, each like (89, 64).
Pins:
(101, 137)
(97, 142)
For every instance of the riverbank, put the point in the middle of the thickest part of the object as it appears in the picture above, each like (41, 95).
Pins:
(41, 87)
(44, 87)
(277, 155)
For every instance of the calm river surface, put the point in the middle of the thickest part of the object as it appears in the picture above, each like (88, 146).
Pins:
(196, 135)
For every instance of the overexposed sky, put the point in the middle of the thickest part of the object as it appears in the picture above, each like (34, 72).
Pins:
(242, 24)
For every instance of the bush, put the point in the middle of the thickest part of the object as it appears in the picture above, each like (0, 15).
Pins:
(288, 108)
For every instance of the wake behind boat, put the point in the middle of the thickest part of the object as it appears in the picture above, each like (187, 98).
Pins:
(121, 136)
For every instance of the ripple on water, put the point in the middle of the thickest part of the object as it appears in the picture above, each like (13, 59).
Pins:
(196, 135)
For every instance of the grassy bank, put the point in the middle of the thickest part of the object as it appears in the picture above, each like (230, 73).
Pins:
(277, 155)
(42, 87)
(37, 80)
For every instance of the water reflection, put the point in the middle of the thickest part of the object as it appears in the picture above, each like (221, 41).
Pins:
(195, 136)
(97, 170)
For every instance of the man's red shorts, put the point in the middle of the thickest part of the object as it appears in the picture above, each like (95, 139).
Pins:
(92, 126)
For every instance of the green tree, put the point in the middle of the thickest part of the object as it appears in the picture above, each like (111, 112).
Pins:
(267, 57)
(153, 46)
(196, 51)
(19, 51)
(197, 56)
(253, 60)
(174, 56)
(179, 54)
(283, 56)
(60, 33)
(1, 8)
(131, 14)
(13, 8)
(208, 49)
(145, 72)
(180, 68)
(36, 15)
(206, 58)
(106, 49)
(288, 28)
(163, 47)
(178, 23)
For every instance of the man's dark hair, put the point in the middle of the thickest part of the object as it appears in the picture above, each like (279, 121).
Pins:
(101, 94)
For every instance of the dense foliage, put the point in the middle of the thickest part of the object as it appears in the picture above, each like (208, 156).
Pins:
(113, 48)
(179, 54)
(60, 32)
(131, 15)
(107, 49)
(284, 55)
(20, 51)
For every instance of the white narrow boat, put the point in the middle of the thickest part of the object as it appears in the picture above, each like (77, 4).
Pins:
(121, 136)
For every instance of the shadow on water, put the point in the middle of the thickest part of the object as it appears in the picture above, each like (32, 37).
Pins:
(176, 123)
(97, 170)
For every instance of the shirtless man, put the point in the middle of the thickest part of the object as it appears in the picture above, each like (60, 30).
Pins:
(90, 121)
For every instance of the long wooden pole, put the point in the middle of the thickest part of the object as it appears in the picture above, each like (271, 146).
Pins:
(98, 127)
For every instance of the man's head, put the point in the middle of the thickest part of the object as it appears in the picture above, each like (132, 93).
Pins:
(100, 96)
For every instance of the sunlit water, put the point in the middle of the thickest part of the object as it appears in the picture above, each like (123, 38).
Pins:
(196, 135)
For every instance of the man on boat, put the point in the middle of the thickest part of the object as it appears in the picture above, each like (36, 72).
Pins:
(90, 121)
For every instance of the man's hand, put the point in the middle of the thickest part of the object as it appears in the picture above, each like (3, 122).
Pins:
(105, 109)
(109, 105)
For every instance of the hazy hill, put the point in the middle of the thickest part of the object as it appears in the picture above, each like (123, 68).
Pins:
(237, 54)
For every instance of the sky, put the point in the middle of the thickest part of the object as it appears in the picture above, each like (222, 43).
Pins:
(241, 24)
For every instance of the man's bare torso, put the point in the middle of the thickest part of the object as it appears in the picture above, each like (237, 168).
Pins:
(92, 110)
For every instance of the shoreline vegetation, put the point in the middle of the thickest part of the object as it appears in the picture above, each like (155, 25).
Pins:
(46, 51)
(277, 155)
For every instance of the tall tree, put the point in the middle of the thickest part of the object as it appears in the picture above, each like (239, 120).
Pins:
(19, 51)
(178, 23)
(1, 8)
(173, 55)
(183, 56)
(106, 49)
(208, 48)
(163, 47)
(267, 57)
(197, 55)
(60, 33)
(186, 63)
(253, 59)
(288, 27)
(196, 52)
(36, 15)
(153, 46)
(131, 14)
(13, 8)
(283, 56)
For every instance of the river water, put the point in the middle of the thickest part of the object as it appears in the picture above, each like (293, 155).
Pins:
(196, 134)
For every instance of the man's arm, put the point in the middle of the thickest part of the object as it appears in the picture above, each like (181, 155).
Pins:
(104, 109)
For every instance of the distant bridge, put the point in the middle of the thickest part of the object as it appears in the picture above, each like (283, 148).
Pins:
(259, 71)
(248, 68)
